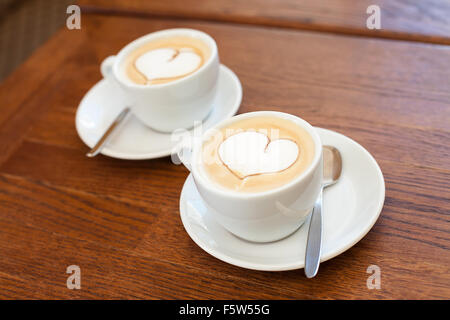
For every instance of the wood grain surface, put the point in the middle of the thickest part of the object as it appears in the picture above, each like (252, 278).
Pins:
(119, 220)
(424, 20)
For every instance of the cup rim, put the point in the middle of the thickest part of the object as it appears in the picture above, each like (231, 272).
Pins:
(161, 33)
(198, 177)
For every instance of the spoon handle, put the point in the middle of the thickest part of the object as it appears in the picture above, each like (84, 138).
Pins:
(314, 243)
(99, 145)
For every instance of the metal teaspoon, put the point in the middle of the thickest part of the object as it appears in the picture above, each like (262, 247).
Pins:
(332, 167)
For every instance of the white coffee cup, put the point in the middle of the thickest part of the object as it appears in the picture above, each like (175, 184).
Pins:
(176, 104)
(263, 216)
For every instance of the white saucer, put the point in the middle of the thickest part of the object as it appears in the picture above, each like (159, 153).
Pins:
(133, 140)
(351, 207)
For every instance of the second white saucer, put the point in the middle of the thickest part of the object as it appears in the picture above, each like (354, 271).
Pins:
(351, 207)
(133, 140)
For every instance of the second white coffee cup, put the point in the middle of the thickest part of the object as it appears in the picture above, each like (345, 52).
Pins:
(173, 105)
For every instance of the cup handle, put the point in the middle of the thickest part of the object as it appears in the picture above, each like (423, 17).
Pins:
(184, 154)
(106, 67)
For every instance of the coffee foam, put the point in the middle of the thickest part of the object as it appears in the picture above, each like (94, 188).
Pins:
(250, 153)
(292, 145)
(167, 63)
(164, 60)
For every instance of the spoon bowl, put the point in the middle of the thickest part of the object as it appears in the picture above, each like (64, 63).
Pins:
(332, 165)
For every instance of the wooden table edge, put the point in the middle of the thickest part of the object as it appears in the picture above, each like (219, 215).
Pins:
(271, 23)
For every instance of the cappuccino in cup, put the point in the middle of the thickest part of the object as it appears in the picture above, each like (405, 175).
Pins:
(165, 60)
(258, 173)
(169, 77)
(257, 154)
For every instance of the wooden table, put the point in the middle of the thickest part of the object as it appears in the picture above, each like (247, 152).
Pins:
(119, 220)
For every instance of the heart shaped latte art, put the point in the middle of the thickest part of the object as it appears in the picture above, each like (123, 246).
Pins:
(167, 63)
(250, 153)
